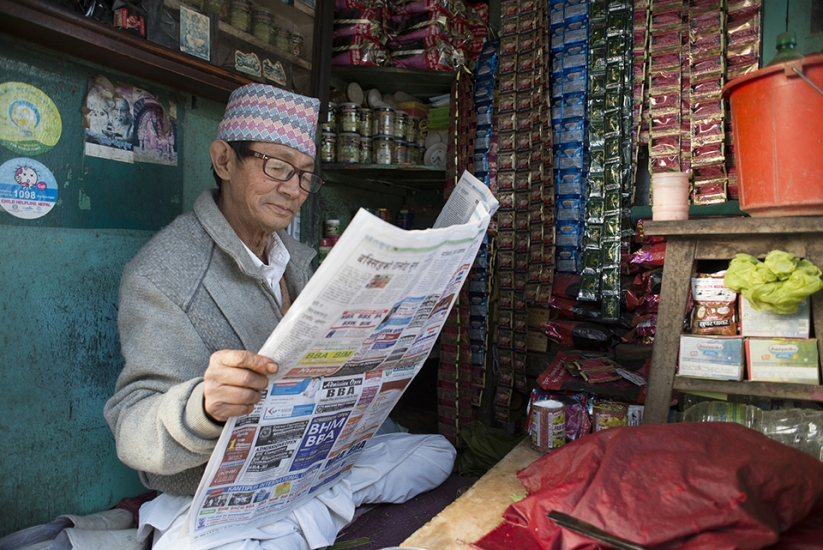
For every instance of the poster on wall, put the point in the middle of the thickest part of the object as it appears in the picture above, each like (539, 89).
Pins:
(28, 189)
(127, 124)
(30, 123)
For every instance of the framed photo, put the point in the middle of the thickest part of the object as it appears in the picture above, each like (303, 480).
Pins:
(194, 33)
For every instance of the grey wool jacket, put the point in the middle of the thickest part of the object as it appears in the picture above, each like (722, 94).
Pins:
(190, 291)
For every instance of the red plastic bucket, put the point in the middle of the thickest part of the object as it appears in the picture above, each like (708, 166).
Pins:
(777, 120)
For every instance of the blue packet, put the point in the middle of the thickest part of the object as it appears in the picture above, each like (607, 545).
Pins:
(574, 105)
(575, 31)
(570, 183)
(568, 233)
(566, 259)
(574, 56)
(575, 10)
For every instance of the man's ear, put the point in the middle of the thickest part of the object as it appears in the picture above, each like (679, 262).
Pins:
(222, 158)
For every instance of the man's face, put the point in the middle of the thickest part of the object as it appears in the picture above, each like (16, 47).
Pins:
(258, 203)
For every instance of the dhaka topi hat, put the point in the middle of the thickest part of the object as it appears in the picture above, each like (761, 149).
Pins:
(260, 112)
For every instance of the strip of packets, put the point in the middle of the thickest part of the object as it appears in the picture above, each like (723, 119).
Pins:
(461, 374)
(693, 48)
(609, 141)
(525, 189)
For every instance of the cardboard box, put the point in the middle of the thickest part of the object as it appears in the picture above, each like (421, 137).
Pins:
(712, 357)
(766, 323)
(783, 360)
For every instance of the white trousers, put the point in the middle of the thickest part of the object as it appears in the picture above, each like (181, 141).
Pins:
(393, 468)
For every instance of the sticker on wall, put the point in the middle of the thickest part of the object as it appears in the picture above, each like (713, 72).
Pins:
(247, 63)
(28, 189)
(274, 72)
(127, 124)
(30, 123)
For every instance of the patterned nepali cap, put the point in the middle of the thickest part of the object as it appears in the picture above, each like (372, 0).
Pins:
(260, 112)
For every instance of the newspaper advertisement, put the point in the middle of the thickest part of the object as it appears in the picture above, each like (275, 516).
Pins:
(347, 348)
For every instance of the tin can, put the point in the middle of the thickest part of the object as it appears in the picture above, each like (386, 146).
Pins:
(348, 148)
(412, 127)
(608, 414)
(404, 219)
(383, 147)
(400, 120)
(328, 146)
(297, 40)
(328, 127)
(331, 227)
(240, 15)
(349, 117)
(401, 152)
(384, 214)
(366, 152)
(548, 425)
(365, 120)
(261, 24)
(383, 122)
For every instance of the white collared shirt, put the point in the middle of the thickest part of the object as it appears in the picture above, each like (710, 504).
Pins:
(278, 258)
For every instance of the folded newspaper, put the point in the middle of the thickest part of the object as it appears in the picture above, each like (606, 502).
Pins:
(348, 347)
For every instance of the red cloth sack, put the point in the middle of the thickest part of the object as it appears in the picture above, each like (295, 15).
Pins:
(706, 486)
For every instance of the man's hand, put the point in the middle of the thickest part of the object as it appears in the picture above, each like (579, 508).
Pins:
(233, 382)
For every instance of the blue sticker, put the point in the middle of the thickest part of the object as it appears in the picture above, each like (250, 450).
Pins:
(28, 189)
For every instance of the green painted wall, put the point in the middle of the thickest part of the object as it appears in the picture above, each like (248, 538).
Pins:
(797, 16)
(60, 352)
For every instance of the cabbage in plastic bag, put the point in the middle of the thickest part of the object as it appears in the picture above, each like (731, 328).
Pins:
(778, 283)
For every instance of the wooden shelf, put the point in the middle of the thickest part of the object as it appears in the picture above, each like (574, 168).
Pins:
(775, 390)
(225, 28)
(69, 32)
(418, 177)
(720, 239)
(421, 84)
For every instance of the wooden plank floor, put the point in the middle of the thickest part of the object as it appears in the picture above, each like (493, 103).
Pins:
(478, 510)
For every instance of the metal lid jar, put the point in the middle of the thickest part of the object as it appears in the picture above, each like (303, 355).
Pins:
(412, 127)
(383, 122)
(383, 148)
(261, 24)
(401, 118)
(366, 152)
(349, 119)
(348, 148)
(240, 15)
(332, 117)
(365, 121)
(401, 152)
(328, 146)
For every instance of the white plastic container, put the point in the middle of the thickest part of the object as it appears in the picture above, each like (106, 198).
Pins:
(670, 189)
(670, 212)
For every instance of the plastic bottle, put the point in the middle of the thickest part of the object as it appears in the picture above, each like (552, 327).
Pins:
(786, 49)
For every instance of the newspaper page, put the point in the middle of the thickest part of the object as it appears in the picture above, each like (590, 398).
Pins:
(348, 347)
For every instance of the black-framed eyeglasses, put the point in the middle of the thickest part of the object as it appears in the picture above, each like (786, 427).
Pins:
(280, 170)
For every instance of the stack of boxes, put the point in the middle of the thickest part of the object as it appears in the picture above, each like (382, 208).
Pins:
(758, 345)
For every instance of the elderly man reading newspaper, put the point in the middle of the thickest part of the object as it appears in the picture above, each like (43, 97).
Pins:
(196, 305)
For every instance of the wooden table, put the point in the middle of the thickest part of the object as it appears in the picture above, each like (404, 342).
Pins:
(720, 239)
(478, 510)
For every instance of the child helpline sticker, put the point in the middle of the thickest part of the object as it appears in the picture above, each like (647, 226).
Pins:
(28, 189)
